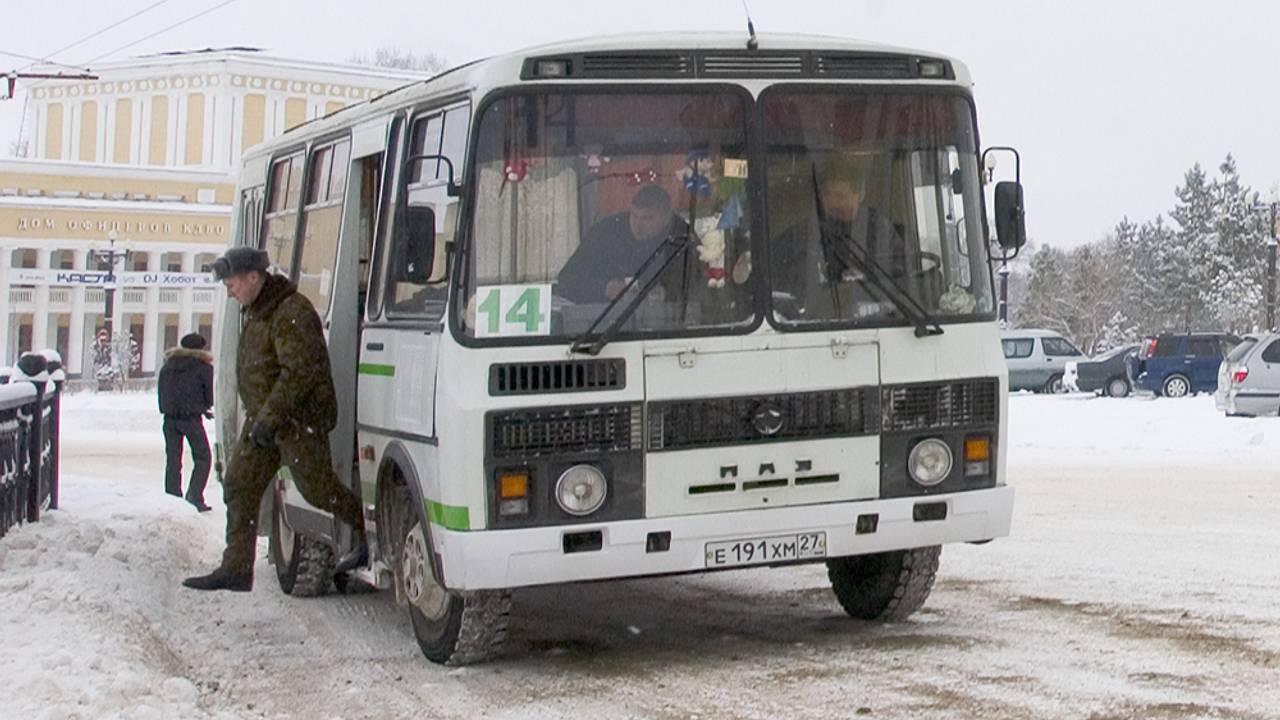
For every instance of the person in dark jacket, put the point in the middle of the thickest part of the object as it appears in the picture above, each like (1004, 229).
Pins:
(282, 369)
(185, 393)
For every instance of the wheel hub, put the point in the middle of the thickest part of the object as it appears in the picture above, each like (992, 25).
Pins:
(420, 585)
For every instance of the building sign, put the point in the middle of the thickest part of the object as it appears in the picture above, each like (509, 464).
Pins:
(97, 278)
(90, 225)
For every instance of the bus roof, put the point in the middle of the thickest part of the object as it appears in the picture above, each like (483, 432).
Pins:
(507, 69)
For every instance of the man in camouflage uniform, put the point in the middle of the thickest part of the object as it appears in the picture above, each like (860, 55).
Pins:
(283, 371)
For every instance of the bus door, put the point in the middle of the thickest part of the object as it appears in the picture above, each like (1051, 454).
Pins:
(398, 366)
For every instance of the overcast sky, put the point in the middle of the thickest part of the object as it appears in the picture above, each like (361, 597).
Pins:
(1109, 101)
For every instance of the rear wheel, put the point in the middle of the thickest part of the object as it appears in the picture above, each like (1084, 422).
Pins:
(304, 566)
(1118, 387)
(451, 627)
(886, 586)
(1053, 385)
(1176, 386)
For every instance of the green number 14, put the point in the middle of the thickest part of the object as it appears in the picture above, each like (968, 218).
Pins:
(524, 311)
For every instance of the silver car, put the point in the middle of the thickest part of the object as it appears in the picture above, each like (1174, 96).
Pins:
(1037, 359)
(1249, 377)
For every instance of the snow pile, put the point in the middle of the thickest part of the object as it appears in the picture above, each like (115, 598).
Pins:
(1138, 431)
(89, 595)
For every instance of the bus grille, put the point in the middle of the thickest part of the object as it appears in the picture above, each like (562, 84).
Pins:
(557, 377)
(537, 432)
(940, 406)
(860, 65)
(660, 64)
(708, 422)
(752, 64)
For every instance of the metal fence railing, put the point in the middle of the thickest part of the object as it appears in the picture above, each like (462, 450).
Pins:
(30, 403)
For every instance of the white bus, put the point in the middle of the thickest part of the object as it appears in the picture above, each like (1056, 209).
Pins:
(637, 306)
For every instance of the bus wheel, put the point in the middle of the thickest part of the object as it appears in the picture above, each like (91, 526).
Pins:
(451, 627)
(887, 586)
(304, 566)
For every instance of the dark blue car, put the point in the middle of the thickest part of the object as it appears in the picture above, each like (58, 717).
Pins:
(1179, 364)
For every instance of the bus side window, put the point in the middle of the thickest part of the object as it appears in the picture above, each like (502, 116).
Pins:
(280, 222)
(321, 223)
(410, 290)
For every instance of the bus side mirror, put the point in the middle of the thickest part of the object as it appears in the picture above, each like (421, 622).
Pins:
(416, 240)
(1011, 222)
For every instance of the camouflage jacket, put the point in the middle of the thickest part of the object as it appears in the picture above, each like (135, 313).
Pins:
(283, 363)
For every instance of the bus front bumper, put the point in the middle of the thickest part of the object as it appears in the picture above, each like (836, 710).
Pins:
(492, 559)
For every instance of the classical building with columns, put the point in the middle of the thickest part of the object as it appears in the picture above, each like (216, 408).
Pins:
(142, 162)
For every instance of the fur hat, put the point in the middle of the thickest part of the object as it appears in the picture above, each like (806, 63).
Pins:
(192, 341)
(239, 260)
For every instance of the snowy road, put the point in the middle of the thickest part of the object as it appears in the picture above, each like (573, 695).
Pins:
(1141, 581)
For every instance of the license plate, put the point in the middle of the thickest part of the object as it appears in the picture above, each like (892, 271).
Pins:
(758, 551)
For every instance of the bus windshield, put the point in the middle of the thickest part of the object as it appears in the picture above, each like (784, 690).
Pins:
(589, 203)
(873, 196)
(630, 209)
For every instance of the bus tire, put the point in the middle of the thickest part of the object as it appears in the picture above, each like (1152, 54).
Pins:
(452, 628)
(304, 567)
(887, 586)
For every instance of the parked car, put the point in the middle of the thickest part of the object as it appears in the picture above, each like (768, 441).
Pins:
(1249, 379)
(1179, 364)
(1037, 359)
(1105, 373)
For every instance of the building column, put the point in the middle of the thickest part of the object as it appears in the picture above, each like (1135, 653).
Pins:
(40, 319)
(6, 256)
(186, 319)
(151, 322)
(74, 362)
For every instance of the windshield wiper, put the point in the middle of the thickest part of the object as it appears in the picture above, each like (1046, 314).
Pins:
(849, 252)
(585, 343)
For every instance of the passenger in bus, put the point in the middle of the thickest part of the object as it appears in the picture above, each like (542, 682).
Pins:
(616, 247)
(282, 370)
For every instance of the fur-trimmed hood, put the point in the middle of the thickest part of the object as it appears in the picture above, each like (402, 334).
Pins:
(181, 352)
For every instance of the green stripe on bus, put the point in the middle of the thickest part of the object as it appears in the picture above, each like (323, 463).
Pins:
(376, 369)
(453, 517)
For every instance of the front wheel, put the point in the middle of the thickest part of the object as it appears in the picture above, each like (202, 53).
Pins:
(1118, 387)
(304, 567)
(451, 628)
(887, 586)
(1176, 386)
(1053, 385)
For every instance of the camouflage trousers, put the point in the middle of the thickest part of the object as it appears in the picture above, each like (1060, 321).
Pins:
(249, 473)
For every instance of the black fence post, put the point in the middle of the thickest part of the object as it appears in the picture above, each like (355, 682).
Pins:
(58, 377)
(33, 366)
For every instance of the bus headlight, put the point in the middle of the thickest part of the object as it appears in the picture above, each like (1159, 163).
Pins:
(929, 462)
(581, 490)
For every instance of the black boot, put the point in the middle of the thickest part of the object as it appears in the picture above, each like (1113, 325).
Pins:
(199, 505)
(221, 580)
(356, 557)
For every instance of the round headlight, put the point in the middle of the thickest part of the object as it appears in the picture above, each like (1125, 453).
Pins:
(581, 490)
(929, 462)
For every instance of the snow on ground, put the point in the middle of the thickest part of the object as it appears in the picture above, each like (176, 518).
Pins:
(1140, 581)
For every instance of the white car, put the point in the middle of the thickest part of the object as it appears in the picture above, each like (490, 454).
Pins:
(1249, 377)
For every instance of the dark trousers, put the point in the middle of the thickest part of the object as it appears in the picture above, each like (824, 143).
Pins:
(176, 429)
(249, 473)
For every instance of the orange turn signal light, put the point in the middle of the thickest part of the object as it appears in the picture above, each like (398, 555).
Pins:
(977, 449)
(513, 485)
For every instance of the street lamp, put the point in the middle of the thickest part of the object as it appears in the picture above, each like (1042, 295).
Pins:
(110, 256)
(1271, 267)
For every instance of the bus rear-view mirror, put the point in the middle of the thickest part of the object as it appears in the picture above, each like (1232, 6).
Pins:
(1011, 223)
(417, 239)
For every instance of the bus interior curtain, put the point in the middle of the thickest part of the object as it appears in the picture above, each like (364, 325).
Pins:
(526, 230)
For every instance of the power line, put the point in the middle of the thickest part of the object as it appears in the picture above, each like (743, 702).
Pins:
(96, 33)
(162, 30)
